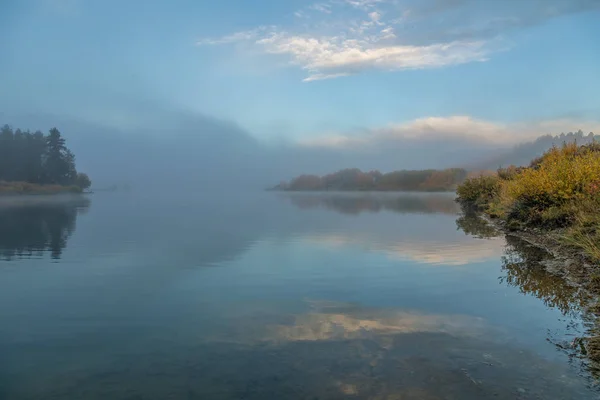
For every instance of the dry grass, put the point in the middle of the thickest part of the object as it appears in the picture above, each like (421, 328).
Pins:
(585, 232)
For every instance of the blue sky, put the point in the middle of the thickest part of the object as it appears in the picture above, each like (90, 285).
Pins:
(325, 73)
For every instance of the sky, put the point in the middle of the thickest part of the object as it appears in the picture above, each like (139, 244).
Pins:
(331, 74)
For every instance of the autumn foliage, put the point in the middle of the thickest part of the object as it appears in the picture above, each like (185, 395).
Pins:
(355, 179)
(559, 190)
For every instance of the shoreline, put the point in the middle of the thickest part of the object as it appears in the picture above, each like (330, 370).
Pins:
(34, 194)
(44, 200)
(8, 189)
(568, 262)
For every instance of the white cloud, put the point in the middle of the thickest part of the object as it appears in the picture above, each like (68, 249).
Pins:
(387, 34)
(234, 37)
(375, 16)
(330, 56)
(454, 128)
(364, 44)
(346, 37)
(319, 77)
(321, 7)
(363, 4)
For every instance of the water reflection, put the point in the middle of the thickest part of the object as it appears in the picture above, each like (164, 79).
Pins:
(523, 264)
(525, 270)
(31, 226)
(525, 267)
(340, 321)
(356, 203)
(330, 351)
(471, 224)
(138, 318)
(439, 248)
(337, 349)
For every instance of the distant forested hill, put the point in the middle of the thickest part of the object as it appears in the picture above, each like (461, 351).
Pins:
(522, 154)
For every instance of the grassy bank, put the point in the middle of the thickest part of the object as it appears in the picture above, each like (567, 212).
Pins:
(19, 188)
(557, 195)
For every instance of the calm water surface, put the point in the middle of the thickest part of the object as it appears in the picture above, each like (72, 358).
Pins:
(276, 296)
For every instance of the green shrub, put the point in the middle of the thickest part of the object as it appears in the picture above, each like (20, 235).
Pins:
(479, 191)
(509, 173)
(83, 181)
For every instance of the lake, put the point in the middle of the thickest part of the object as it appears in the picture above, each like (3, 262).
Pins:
(277, 296)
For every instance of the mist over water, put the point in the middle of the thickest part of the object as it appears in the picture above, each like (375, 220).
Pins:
(182, 150)
(259, 295)
(177, 275)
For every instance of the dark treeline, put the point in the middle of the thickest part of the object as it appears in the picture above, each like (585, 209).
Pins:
(38, 159)
(355, 179)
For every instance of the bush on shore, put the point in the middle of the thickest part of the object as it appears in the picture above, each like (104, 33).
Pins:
(560, 190)
(479, 191)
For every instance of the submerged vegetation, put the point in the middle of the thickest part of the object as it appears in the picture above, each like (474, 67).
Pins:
(34, 163)
(558, 193)
(354, 179)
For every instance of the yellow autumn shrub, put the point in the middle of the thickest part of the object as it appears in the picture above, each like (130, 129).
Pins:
(563, 175)
(561, 189)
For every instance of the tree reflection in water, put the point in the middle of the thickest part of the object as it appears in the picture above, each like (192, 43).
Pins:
(356, 203)
(471, 224)
(524, 267)
(523, 264)
(32, 226)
